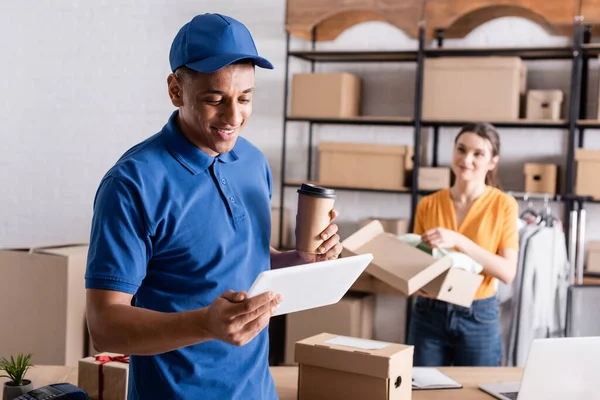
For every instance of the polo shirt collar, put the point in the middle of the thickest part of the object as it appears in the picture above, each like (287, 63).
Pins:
(188, 155)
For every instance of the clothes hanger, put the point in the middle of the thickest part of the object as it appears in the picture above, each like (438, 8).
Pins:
(530, 213)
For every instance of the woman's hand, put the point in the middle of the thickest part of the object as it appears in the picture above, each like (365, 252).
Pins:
(442, 237)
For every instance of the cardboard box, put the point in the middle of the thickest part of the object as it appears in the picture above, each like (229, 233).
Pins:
(592, 264)
(114, 369)
(544, 104)
(362, 165)
(588, 165)
(408, 269)
(43, 298)
(338, 367)
(285, 239)
(473, 88)
(352, 316)
(434, 178)
(325, 95)
(540, 178)
(395, 226)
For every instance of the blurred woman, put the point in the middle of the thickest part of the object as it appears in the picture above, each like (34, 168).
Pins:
(474, 217)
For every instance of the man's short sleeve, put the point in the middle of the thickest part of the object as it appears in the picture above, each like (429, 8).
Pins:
(120, 244)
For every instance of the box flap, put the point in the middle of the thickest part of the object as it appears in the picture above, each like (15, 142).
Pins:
(536, 169)
(396, 263)
(359, 356)
(587, 155)
(344, 147)
(546, 95)
(474, 63)
(65, 251)
(60, 249)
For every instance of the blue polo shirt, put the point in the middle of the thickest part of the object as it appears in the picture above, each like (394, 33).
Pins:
(176, 228)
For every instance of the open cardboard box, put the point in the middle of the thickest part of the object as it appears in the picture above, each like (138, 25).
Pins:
(340, 367)
(403, 268)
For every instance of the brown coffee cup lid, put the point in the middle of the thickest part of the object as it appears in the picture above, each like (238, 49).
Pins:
(316, 191)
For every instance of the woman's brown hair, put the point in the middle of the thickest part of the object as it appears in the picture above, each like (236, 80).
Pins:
(486, 131)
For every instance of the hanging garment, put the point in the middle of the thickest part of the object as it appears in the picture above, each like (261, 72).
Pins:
(543, 269)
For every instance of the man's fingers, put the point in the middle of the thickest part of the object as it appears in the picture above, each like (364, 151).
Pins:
(268, 308)
(250, 305)
(333, 214)
(234, 297)
(334, 252)
(329, 231)
(329, 244)
(258, 324)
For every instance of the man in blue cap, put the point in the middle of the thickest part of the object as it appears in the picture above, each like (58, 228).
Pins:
(181, 228)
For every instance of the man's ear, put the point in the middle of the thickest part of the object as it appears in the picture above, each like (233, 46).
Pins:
(175, 90)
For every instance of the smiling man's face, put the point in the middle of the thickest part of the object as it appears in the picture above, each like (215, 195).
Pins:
(213, 107)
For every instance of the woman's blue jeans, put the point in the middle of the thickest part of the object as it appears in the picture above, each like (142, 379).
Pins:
(444, 334)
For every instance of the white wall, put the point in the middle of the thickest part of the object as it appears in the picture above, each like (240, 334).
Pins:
(84, 80)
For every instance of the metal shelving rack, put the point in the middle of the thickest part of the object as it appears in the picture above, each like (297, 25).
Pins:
(578, 52)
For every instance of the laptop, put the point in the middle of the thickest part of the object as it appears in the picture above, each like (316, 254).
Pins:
(556, 368)
(312, 285)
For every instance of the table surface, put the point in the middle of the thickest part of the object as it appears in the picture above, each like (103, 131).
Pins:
(286, 380)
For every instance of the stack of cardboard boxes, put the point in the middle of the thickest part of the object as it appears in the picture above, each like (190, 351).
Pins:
(43, 302)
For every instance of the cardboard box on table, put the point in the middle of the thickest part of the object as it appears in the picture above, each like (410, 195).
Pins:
(339, 367)
(352, 316)
(42, 300)
(400, 267)
(105, 376)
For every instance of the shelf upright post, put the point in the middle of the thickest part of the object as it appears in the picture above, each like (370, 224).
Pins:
(587, 37)
(284, 140)
(311, 124)
(574, 109)
(417, 127)
(436, 128)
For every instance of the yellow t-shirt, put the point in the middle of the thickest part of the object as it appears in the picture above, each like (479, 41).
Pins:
(491, 222)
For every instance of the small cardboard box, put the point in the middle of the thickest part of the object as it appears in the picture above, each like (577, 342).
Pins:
(114, 369)
(325, 95)
(407, 269)
(47, 283)
(339, 367)
(540, 178)
(390, 225)
(544, 105)
(362, 165)
(593, 257)
(275, 219)
(473, 88)
(588, 165)
(434, 178)
(352, 316)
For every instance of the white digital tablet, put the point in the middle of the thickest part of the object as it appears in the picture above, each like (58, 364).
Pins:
(307, 286)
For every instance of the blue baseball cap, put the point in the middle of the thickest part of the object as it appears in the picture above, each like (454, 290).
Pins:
(210, 42)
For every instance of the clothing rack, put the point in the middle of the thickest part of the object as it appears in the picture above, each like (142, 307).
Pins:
(574, 231)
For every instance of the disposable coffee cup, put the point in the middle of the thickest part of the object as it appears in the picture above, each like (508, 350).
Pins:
(315, 204)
